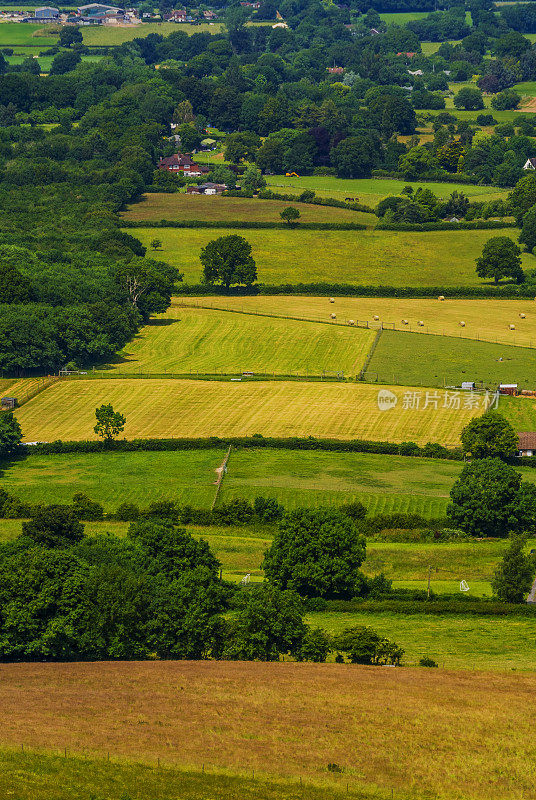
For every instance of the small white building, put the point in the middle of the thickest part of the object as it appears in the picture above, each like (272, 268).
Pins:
(530, 163)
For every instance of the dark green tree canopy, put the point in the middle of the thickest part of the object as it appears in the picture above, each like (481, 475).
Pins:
(515, 573)
(316, 553)
(10, 433)
(488, 499)
(501, 258)
(490, 435)
(54, 526)
(228, 261)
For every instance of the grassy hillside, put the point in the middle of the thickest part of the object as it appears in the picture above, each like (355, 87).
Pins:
(42, 776)
(369, 257)
(520, 411)
(14, 33)
(192, 408)
(202, 340)
(203, 207)
(417, 359)
(115, 35)
(284, 720)
(487, 319)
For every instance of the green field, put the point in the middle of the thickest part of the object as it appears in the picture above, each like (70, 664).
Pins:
(369, 257)
(371, 190)
(455, 642)
(520, 411)
(305, 478)
(197, 408)
(401, 17)
(110, 36)
(181, 206)
(16, 33)
(447, 361)
(210, 341)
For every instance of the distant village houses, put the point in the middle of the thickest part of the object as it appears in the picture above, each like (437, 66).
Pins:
(207, 188)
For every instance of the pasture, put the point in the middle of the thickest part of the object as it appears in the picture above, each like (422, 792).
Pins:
(454, 642)
(368, 257)
(16, 33)
(203, 340)
(446, 361)
(114, 35)
(283, 720)
(182, 206)
(486, 319)
(371, 190)
(520, 412)
(306, 478)
(199, 408)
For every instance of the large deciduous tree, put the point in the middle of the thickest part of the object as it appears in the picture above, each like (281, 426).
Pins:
(10, 433)
(489, 499)
(515, 573)
(501, 258)
(110, 423)
(317, 554)
(228, 260)
(490, 435)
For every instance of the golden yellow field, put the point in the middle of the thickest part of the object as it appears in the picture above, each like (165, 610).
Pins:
(488, 320)
(185, 339)
(184, 408)
(417, 733)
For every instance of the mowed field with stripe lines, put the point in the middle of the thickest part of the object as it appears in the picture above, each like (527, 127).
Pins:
(195, 408)
(209, 341)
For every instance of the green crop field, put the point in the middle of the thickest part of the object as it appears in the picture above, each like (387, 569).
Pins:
(113, 35)
(520, 411)
(446, 361)
(304, 478)
(114, 478)
(191, 408)
(401, 17)
(210, 341)
(16, 33)
(183, 206)
(486, 320)
(369, 257)
(371, 190)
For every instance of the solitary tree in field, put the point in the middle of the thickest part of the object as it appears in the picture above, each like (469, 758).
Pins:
(110, 423)
(514, 575)
(156, 244)
(528, 231)
(290, 215)
(10, 433)
(229, 261)
(501, 258)
(489, 436)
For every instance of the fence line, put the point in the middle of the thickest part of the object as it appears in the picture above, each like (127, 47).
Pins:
(370, 354)
(222, 471)
(375, 325)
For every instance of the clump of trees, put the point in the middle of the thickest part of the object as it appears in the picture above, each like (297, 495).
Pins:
(228, 260)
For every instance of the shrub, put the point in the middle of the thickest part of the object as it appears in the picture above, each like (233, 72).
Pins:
(127, 512)
(427, 662)
(268, 509)
(162, 509)
(86, 509)
(235, 512)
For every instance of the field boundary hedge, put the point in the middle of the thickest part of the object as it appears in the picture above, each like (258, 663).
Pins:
(474, 225)
(432, 450)
(246, 224)
(467, 607)
(509, 291)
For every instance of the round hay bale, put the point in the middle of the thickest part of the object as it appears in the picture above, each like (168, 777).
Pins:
(441, 297)
(462, 323)
(512, 327)
(331, 299)
(405, 322)
(421, 323)
(522, 316)
(333, 316)
(375, 318)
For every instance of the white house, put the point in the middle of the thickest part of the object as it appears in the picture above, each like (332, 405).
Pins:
(530, 163)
